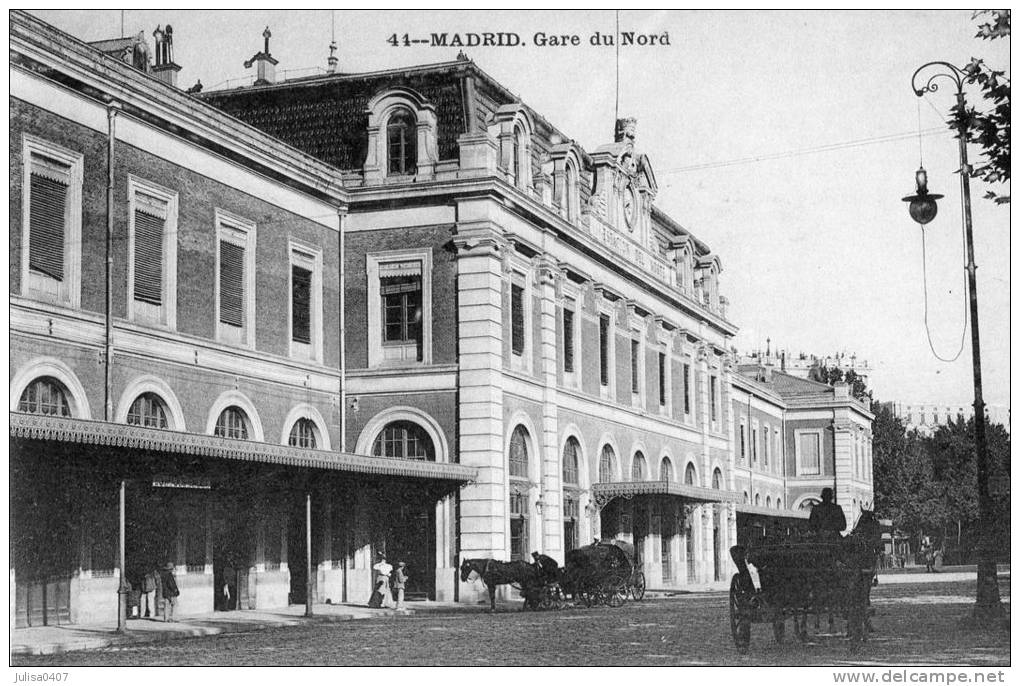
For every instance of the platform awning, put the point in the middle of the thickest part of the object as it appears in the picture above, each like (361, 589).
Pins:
(90, 432)
(604, 492)
(745, 508)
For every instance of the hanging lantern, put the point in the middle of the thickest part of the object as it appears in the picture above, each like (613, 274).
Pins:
(923, 206)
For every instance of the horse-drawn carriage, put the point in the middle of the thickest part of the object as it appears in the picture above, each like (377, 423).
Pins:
(603, 574)
(801, 574)
(596, 574)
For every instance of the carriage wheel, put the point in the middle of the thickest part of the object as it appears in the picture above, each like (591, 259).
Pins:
(615, 593)
(637, 588)
(740, 615)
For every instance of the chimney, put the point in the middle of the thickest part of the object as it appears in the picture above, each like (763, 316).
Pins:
(164, 68)
(266, 63)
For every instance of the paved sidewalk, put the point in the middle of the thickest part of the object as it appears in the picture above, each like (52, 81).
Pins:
(46, 640)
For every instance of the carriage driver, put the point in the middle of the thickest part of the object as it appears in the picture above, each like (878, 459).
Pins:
(827, 517)
(545, 566)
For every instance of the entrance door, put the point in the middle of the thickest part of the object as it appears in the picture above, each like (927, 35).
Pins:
(412, 539)
(297, 551)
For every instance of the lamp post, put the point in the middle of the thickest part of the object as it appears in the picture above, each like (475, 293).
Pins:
(923, 208)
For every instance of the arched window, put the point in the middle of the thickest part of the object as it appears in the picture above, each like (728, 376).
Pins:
(401, 146)
(637, 468)
(666, 470)
(45, 395)
(779, 503)
(519, 453)
(746, 498)
(571, 493)
(148, 410)
(607, 464)
(570, 196)
(690, 475)
(233, 423)
(518, 150)
(571, 451)
(757, 498)
(519, 487)
(809, 503)
(768, 501)
(405, 440)
(717, 479)
(303, 434)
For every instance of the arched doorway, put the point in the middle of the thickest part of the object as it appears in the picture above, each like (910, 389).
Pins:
(410, 529)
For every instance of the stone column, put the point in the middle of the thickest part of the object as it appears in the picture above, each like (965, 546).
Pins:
(843, 445)
(479, 247)
(707, 542)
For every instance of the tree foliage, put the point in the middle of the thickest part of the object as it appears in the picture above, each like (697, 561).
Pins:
(987, 125)
(834, 375)
(929, 483)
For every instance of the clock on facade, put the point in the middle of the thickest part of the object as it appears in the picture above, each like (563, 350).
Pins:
(629, 205)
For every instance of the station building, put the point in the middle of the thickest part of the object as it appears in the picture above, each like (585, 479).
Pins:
(502, 345)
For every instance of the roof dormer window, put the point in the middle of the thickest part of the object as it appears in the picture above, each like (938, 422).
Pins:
(401, 146)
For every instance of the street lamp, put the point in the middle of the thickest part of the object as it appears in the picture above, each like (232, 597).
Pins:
(923, 208)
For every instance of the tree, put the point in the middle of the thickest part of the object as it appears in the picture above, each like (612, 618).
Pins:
(834, 375)
(989, 126)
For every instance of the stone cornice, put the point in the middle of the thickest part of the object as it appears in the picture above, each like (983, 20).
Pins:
(88, 432)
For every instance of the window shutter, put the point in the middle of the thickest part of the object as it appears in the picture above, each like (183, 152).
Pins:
(568, 340)
(47, 221)
(301, 304)
(231, 284)
(517, 319)
(150, 222)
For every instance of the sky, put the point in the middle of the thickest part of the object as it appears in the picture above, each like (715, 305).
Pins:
(818, 251)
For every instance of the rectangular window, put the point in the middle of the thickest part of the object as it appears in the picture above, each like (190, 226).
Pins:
(152, 245)
(765, 444)
(809, 453)
(662, 379)
(687, 389)
(743, 440)
(300, 304)
(604, 349)
(235, 284)
(568, 340)
(714, 392)
(399, 308)
(519, 549)
(51, 222)
(635, 366)
(150, 223)
(517, 319)
(231, 284)
(49, 181)
(754, 443)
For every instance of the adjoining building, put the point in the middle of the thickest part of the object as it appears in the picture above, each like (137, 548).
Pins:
(458, 331)
(196, 400)
(927, 417)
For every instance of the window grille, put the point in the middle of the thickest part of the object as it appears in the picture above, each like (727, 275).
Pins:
(687, 389)
(519, 453)
(607, 465)
(570, 461)
(568, 340)
(666, 470)
(662, 379)
(604, 349)
(635, 352)
(404, 440)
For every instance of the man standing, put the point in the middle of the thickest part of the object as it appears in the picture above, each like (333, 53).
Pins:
(827, 516)
(400, 583)
(170, 591)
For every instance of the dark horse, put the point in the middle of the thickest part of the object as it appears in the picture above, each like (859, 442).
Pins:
(496, 573)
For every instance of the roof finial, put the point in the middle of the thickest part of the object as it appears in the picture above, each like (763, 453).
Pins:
(267, 34)
(332, 60)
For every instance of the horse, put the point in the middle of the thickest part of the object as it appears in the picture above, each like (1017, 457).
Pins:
(497, 573)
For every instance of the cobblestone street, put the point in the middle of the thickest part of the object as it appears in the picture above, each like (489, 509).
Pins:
(915, 624)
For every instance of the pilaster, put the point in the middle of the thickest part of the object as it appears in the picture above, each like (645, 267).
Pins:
(480, 426)
(549, 493)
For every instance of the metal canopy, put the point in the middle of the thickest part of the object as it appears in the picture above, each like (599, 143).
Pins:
(745, 508)
(605, 492)
(90, 432)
